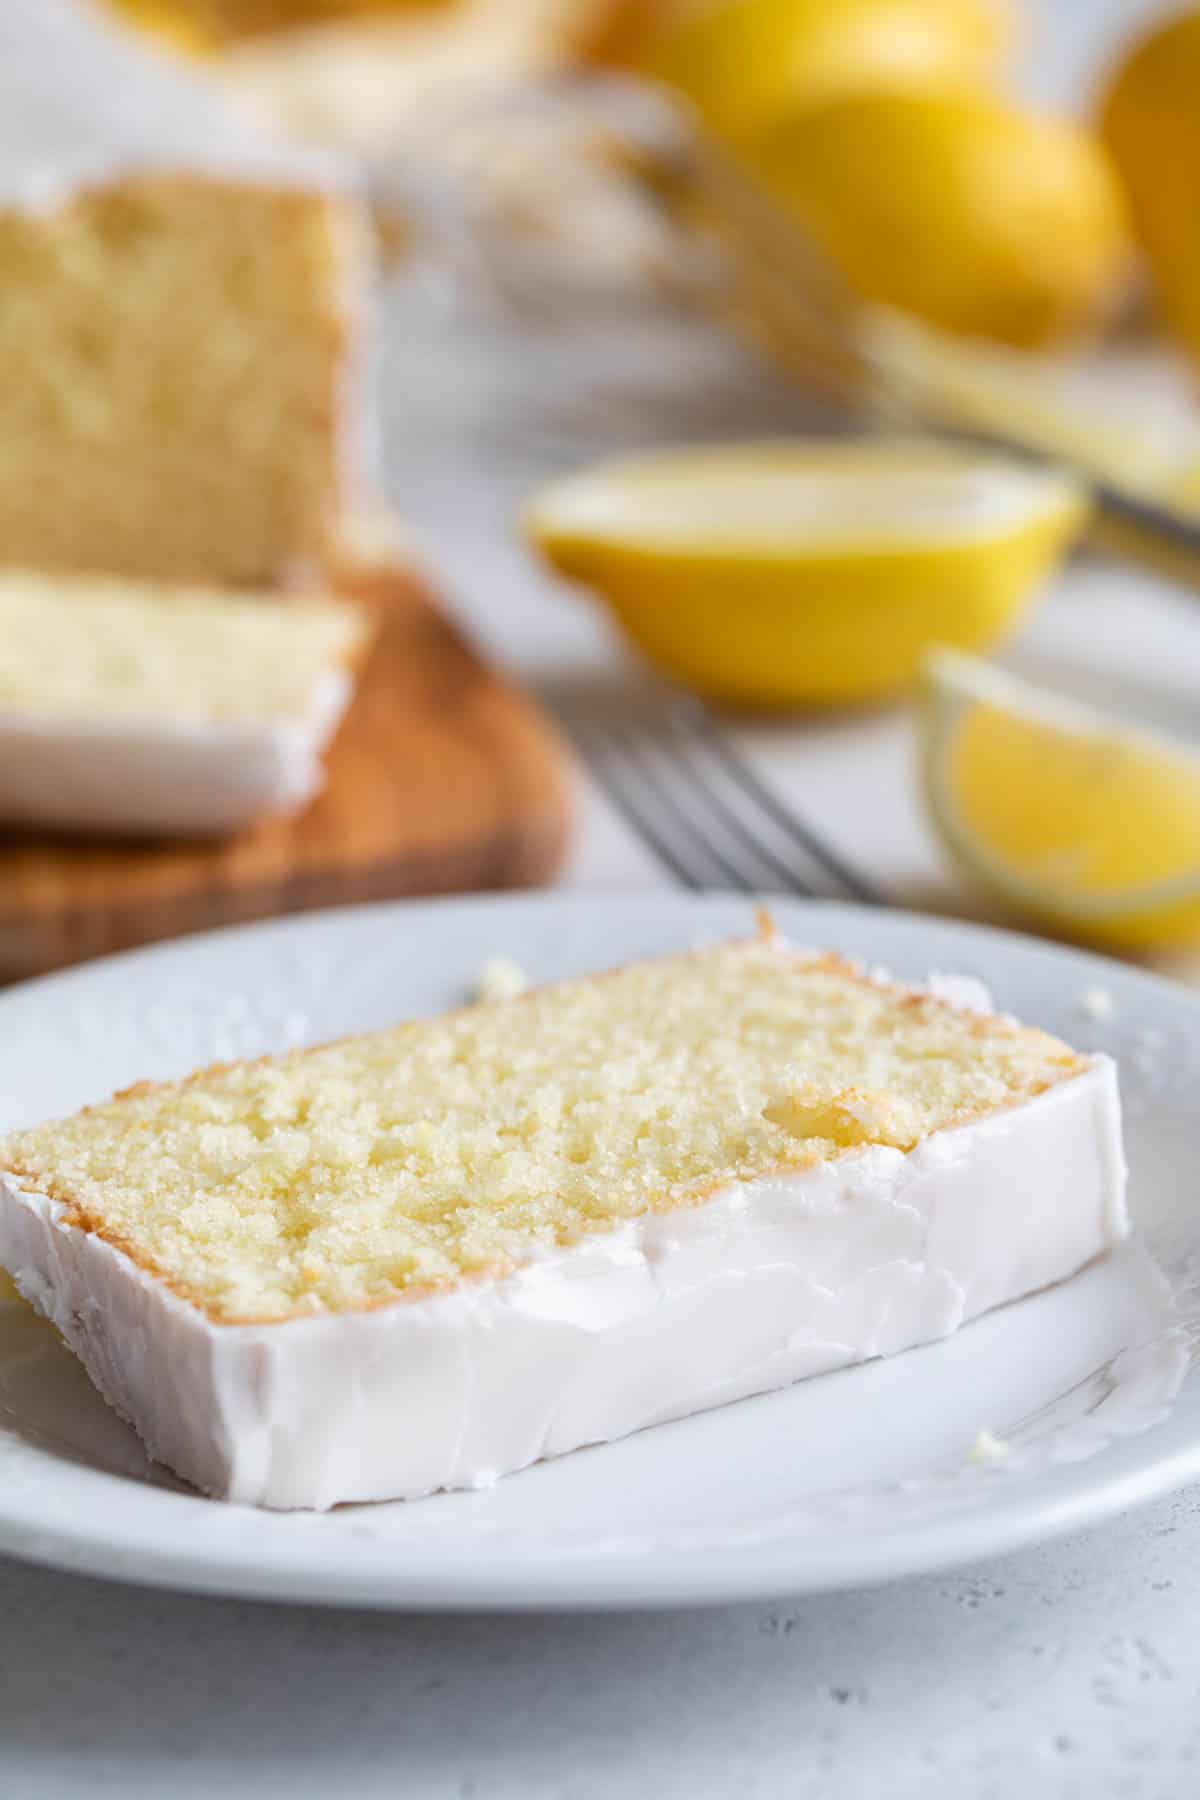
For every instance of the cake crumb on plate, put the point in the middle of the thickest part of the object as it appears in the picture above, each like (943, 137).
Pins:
(988, 1450)
(501, 979)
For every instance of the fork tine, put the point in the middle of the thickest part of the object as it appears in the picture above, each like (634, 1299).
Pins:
(596, 749)
(682, 792)
(728, 817)
(671, 774)
(756, 790)
(687, 822)
(648, 797)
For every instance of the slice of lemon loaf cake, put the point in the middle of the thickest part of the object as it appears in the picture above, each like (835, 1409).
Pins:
(159, 709)
(181, 318)
(429, 1256)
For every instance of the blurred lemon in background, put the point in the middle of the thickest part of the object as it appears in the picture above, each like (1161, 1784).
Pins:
(1151, 122)
(206, 24)
(972, 213)
(620, 34)
(1079, 821)
(175, 22)
(785, 574)
(744, 61)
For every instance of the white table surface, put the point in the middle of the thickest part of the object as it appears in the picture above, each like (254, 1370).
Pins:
(1071, 1673)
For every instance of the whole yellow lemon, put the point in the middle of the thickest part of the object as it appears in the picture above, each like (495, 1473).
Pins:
(1150, 120)
(743, 61)
(971, 213)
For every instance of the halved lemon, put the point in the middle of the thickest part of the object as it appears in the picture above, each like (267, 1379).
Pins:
(797, 573)
(1079, 820)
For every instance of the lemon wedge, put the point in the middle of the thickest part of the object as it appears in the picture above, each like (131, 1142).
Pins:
(1080, 820)
(789, 574)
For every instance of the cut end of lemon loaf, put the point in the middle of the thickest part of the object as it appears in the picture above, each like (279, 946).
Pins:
(414, 1160)
(98, 648)
(166, 710)
(177, 355)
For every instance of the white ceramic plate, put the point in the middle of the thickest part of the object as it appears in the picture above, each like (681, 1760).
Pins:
(855, 1477)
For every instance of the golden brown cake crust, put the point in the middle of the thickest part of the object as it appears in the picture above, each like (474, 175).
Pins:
(881, 1127)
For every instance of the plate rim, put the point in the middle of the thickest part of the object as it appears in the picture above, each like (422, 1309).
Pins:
(1069, 1500)
(485, 898)
(555, 897)
(689, 1582)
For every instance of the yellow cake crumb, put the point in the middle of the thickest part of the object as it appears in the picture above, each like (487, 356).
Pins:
(176, 360)
(408, 1160)
(501, 979)
(99, 647)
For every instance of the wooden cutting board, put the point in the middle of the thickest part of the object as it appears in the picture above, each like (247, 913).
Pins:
(444, 777)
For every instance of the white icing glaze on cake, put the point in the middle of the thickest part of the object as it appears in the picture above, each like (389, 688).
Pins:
(164, 776)
(783, 1277)
(82, 99)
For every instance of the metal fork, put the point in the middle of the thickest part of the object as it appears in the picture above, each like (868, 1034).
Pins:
(700, 807)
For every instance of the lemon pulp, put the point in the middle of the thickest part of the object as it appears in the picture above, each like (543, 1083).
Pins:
(1080, 820)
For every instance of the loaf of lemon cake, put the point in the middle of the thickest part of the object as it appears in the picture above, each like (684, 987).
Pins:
(426, 1257)
(151, 708)
(181, 318)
